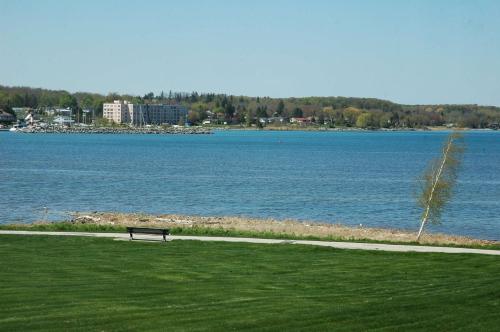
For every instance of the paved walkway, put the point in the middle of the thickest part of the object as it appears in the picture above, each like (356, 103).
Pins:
(332, 244)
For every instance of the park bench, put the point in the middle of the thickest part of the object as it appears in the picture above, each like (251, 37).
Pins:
(145, 230)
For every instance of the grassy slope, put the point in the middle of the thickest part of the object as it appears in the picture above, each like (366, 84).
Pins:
(98, 284)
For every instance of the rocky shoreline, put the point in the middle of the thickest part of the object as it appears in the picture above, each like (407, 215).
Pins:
(282, 227)
(110, 130)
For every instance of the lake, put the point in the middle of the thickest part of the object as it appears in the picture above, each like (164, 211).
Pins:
(353, 178)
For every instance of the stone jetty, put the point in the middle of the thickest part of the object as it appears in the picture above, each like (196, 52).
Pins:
(117, 130)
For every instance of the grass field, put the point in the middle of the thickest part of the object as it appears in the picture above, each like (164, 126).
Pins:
(90, 284)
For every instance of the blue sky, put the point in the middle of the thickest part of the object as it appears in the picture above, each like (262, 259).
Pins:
(414, 52)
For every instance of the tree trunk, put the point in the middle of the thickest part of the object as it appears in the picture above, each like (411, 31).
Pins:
(434, 183)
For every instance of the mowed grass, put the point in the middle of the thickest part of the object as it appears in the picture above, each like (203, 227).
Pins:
(90, 284)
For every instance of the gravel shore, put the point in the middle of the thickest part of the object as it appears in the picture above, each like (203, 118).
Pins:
(286, 227)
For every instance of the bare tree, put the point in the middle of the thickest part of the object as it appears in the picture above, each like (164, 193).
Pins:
(438, 181)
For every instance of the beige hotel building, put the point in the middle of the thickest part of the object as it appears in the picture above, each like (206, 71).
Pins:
(121, 111)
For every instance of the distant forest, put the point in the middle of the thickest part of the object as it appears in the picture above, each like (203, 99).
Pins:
(332, 111)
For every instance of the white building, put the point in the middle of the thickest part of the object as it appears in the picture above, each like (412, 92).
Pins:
(143, 114)
(118, 111)
(63, 120)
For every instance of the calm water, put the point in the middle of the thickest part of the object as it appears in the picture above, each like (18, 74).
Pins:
(352, 178)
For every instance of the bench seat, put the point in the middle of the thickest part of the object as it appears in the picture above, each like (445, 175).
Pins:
(145, 230)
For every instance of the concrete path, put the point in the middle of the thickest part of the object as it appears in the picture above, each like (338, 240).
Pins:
(332, 244)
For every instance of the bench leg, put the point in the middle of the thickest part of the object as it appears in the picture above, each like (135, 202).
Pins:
(164, 238)
(131, 237)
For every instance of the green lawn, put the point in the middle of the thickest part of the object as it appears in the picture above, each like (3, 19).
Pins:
(87, 284)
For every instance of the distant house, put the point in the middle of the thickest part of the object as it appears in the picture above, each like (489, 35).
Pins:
(64, 111)
(21, 112)
(63, 121)
(276, 119)
(22, 109)
(301, 121)
(6, 117)
(50, 112)
(495, 126)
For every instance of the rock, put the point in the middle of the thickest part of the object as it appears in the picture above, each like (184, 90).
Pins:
(86, 219)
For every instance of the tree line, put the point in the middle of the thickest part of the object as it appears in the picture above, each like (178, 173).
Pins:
(332, 111)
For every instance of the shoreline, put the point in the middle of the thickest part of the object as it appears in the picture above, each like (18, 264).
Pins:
(349, 129)
(110, 130)
(210, 129)
(243, 226)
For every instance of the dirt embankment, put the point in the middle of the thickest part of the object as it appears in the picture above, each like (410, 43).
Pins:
(289, 227)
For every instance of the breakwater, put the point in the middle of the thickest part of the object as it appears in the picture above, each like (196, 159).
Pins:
(114, 130)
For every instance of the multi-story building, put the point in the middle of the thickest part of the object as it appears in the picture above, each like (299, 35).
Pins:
(143, 114)
(118, 111)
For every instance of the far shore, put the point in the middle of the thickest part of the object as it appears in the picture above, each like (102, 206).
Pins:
(242, 226)
(343, 129)
(209, 129)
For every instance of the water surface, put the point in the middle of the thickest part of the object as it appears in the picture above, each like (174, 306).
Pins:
(353, 178)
